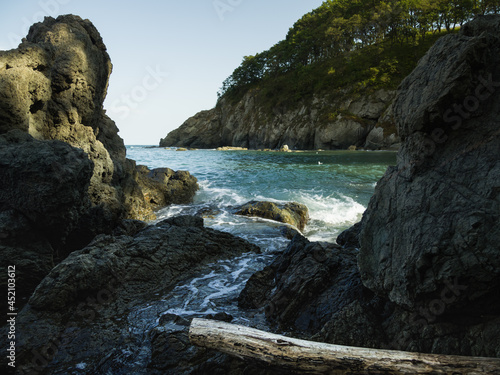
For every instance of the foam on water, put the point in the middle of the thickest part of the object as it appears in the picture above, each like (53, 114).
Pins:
(336, 191)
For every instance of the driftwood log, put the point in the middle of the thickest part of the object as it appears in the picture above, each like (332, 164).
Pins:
(314, 357)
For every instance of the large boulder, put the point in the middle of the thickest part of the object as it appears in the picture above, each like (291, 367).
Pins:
(292, 213)
(43, 202)
(434, 216)
(54, 198)
(427, 275)
(164, 186)
(310, 288)
(53, 87)
(81, 307)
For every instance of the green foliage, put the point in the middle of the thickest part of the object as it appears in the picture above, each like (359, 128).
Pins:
(354, 44)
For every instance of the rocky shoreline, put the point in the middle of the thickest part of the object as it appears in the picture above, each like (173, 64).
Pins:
(64, 176)
(365, 122)
(420, 272)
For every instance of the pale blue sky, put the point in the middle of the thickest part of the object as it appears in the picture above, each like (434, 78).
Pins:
(169, 57)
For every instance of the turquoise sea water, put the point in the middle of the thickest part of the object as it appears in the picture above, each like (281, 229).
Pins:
(335, 185)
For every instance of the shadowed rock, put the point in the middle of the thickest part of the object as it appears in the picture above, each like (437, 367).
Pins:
(52, 89)
(84, 301)
(426, 277)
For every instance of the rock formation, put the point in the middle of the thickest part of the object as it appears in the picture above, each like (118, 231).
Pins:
(52, 89)
(323, 124)
(80, 309)
(292, 213)
(434, 216)
(43, 199)
(427, 272)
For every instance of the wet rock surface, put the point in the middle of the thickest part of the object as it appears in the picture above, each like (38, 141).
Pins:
(293, 213)
(426, 275)
(310, 288)
(81, 307)
(43, 204)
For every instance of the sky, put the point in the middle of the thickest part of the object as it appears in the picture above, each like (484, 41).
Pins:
(169, 57)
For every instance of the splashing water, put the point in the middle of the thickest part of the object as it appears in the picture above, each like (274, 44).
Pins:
(335, 185)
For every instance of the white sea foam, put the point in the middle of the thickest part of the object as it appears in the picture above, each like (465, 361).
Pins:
(218, 195)
(335, 211)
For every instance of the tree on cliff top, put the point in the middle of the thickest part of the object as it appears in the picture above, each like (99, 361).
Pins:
(339, 27)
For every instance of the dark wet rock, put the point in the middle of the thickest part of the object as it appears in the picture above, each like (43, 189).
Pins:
(288, 232)
(43, 202)
(308, 286)
(258, 289)
(314, 291)
(221, 316)
(292, 213)
(350, 237)
(434, 217)
(129, 227)
(82, 305)
(426, 277)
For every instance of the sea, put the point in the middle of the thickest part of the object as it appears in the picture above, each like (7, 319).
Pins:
(336, 186)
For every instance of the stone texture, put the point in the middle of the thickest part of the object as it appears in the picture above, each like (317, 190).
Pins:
(434, 217)
(83, 303)
(322, 124)
(43, 202)
(163, 186)
(293, 213)
(309, 287)
(421, 271)
(52, 88)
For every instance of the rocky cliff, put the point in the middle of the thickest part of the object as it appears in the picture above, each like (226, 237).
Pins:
(325, 123)
(64, 173)
(421, 270)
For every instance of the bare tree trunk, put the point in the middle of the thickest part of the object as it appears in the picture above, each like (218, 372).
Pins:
(315, 357)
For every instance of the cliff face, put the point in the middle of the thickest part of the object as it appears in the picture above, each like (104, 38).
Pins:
(53, 87)
(364, 121)
(424, 275)
(64, 173)
(435, 215)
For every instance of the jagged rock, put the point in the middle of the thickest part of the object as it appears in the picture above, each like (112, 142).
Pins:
(292, 213)
(434, 216)
(350, 237)
(426, 278)
(43, 202)
(52, 88)
(309, 286)
(310, 126)
(83, 300)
